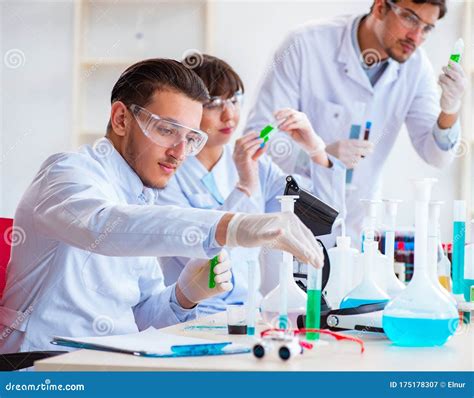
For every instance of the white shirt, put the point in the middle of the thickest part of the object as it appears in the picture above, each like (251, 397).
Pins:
(87, 264)
(317, 70)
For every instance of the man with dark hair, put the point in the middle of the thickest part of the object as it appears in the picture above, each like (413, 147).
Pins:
(352, 70)
(93, 231)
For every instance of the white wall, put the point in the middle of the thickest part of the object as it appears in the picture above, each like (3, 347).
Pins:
(37, 95)
(36, 90)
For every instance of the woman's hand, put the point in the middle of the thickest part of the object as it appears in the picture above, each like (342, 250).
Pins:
(297, 125)
(247, 151)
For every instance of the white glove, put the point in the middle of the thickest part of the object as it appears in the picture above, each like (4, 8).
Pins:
(453, 83)
(247, 151)
(350, 151)
(297, 125)
(281, 231)
(194, 279)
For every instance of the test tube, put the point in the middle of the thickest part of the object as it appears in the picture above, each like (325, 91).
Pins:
(251, 297)
(368, 233)
(313, 307)
(457, 51)
(368, 126)
(287, 205)
(422, 197)
(265, 134)
(212, 263)
(391, 208)
(459, 241)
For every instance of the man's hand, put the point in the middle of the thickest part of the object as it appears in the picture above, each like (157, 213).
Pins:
(350, 151)
(193, 282)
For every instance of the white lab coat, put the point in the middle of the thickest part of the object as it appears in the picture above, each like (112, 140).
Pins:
(87, 263)
(188, 188)
(317, 71)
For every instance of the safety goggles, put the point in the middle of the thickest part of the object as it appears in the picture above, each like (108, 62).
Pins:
(167, 133)
(410, 20)
(218, 104)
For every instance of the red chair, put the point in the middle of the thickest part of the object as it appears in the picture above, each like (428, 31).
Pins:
(18, 360)
(6, 225)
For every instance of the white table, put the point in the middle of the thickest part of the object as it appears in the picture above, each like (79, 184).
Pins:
(379, 355)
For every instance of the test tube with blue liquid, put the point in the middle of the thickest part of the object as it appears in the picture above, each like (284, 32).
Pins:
(459, 241)
(354, 133)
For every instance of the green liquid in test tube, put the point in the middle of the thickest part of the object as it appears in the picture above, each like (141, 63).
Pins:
(265, 134)
(457, 51)
(313, 306)
(212, 263)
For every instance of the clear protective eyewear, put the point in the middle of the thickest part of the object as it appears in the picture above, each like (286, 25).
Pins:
(218, 104)
(410, 20)
(167, 133)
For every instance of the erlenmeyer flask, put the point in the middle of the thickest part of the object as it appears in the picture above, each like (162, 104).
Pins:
(296, 302)
(420, 316)
(367, 292)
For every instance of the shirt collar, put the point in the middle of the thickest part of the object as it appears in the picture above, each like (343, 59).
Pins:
(116, 165)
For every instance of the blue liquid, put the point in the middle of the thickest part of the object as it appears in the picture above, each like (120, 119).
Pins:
(351, 303)
(250, 330)
(354, 134)
(283, 322)
(459, 241)
(419, 332)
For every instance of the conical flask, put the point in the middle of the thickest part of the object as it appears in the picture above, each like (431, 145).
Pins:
(367, 292)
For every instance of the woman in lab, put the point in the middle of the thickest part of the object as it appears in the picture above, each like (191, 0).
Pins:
(239, 180)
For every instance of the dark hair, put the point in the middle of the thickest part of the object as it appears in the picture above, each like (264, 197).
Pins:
(218, 76)
(440, 3)
(138, 83)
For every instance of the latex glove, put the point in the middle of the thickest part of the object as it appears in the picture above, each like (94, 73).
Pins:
(297, 125)
(453, 83)
(281, 231)
(247, 151)
(350, 151)
(194, 279)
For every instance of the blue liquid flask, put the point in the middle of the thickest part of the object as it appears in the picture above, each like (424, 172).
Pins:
(366, 292)
(421, 315)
